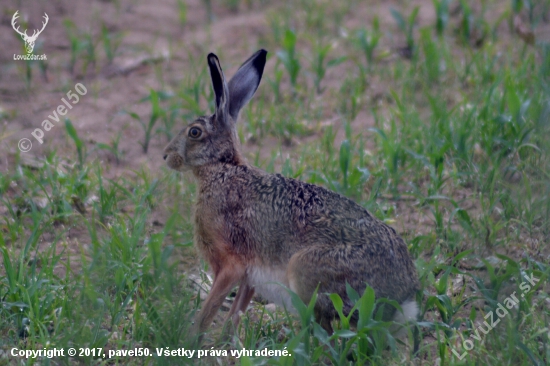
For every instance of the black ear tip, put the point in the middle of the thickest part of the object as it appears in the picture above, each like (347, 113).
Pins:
(260, 59)
(212, 58)
(262, 54)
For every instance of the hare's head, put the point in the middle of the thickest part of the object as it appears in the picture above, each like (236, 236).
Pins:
(213, 139)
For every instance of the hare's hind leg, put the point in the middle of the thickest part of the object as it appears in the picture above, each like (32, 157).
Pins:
(244, 295)
(311, 269)
(329, 269)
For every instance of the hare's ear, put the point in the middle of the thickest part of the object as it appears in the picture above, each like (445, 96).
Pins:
(220, 89)
(243, 85)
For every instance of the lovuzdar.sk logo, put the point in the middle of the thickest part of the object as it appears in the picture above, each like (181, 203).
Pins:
(29, 40)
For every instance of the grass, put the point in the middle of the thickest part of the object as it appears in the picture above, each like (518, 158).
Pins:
(455, 157)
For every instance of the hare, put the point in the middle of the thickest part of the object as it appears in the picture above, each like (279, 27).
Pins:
(257, 229)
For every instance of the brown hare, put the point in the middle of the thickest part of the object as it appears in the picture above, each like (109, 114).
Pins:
(257, 229)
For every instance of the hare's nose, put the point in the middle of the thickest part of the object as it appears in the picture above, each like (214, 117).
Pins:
(165, 156)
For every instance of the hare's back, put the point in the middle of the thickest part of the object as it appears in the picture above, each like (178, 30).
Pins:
(315, 210)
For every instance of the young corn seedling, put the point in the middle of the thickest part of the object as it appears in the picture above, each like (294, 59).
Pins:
(27, 70)
(431, 53)
(351, 92)
(89, 47)
(107, 203)
(472, 29)
(289, 58)
(74, 42)
(275, 82)
(345, 156)
(467, 22)
(191, 93)
(367, 41)
(111, 42)
(156, 113)
(182, 12)
(209, 13)
(232, 5)
(320, 63)
(80, 146)
(392, 151)
(406, 26)
(442, 15)
(169, 120)
(112, 148)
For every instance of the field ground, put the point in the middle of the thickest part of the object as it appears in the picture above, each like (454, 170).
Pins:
(434, 115)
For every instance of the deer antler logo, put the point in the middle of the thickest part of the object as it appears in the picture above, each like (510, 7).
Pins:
(29, 41)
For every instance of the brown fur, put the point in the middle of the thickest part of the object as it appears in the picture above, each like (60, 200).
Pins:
(250, 224)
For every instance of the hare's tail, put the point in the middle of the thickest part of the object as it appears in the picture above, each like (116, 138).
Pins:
(404, 318)
(410, 312)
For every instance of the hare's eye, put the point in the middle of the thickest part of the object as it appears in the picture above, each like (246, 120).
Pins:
(195, 132)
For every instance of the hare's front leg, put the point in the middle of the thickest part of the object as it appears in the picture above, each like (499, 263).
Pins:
(227, 277)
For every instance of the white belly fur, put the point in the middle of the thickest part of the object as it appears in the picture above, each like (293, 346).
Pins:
(267, 282)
